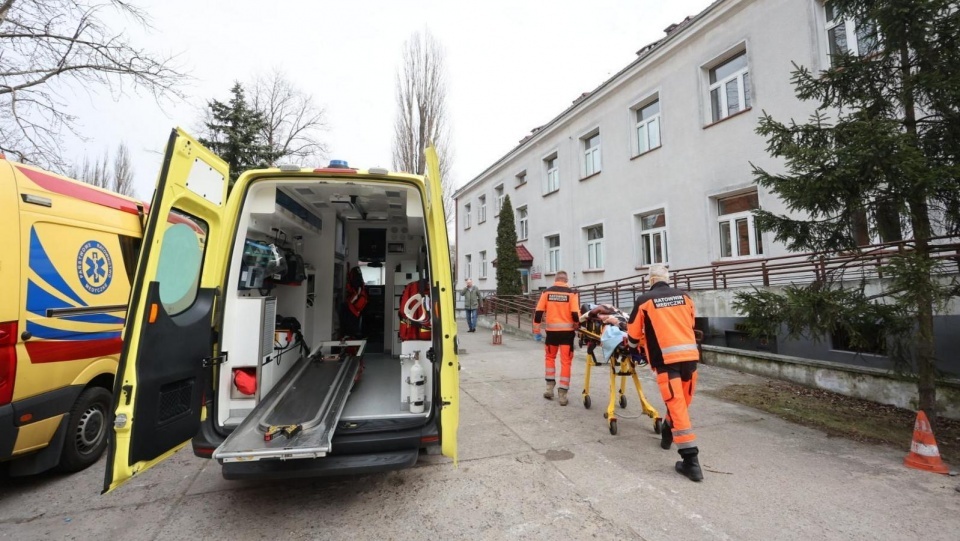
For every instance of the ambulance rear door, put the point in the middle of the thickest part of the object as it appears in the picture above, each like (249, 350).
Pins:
(171, 338)
(443, 308)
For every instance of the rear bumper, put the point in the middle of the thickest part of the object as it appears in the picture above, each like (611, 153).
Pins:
(8, 432)
(39, 407)
(321, 467)
(352, 454)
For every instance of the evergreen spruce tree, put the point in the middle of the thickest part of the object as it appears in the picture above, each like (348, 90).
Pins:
(878, 160)
(234, 132)
(508, 262)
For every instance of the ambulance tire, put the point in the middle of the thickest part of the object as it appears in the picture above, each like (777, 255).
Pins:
(86, 430)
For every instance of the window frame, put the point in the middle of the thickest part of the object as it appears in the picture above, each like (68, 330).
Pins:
(731, 220)
(482, 271)
(591, 158)
(498, 191)
(523, 224)
(653, 233)
(468, 265)
(743, 78)
(520, 179)
(638, 124)
(595, 248)
(551, 157)
(481, 209)
(851, 36)
(548, 253)
(466, 216)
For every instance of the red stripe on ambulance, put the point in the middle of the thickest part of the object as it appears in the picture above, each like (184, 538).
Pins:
(52, 351)
(54, 184)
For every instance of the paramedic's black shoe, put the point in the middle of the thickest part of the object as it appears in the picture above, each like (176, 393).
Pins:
(666, 435)
(690, 465)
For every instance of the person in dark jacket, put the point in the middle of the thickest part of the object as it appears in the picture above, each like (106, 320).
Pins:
(471, 303)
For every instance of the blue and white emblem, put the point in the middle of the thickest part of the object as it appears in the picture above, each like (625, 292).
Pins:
(94, 267)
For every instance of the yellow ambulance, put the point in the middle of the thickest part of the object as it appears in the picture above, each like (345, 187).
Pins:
(69, 252)
(264, 321)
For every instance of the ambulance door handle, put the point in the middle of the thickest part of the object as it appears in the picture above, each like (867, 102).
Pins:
(25, 335)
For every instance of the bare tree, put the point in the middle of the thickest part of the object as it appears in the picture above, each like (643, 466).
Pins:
(95, 173)
(293, 123)
(52, 47)
(123, 171)
(421, 112)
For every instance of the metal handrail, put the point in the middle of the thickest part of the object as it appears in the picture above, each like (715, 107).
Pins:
(866, 263)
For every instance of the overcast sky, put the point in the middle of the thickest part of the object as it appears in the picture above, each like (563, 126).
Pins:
(511, 66)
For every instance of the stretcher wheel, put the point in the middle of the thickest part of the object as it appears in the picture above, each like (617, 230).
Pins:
(613, 427)
(586, 402)
(657, 425)
(623, 401)
(606, 415)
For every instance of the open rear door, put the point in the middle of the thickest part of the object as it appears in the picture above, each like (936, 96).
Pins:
(169, 340)
(443, 308)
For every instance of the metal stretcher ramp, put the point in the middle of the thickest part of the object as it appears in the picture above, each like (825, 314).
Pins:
(312, 394)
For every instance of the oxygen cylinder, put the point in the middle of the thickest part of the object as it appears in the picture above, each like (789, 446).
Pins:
(418, 386)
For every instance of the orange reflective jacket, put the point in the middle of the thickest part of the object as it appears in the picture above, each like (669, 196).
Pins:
(557, 310)
(662, 322)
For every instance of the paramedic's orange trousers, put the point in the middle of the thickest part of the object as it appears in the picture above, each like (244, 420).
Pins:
(566, 362)
(677, 382)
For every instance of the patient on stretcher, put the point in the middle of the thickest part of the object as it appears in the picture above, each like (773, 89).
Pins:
(604, 325)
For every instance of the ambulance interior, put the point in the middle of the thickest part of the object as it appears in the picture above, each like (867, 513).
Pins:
(302, 387)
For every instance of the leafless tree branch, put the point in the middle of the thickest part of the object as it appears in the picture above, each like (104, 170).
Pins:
(294, 123)
(48, 47)
(421, 118)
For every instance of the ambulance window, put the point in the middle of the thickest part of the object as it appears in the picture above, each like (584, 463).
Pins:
(130, 250)
(181, 258)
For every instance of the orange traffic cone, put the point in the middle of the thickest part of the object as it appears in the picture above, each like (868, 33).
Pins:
(924, 454)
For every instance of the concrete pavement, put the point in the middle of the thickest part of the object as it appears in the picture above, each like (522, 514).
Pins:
(529, 469)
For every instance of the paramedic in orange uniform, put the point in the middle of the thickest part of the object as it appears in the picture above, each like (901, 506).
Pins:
(662, 323)
(558, 313)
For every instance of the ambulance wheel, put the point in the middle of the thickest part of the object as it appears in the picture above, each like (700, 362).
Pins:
(586, 402)
(86, 430)
(623, 401)
(657, 425)
(613, 427)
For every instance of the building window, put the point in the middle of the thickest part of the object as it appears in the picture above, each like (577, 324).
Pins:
(648, 126)
(466, 216)
(730, 87)
(653, 238)
(483, 265)
(482, 209)
(522, 230)
(591, 153)
(843, 35)
(871, 339)
(521, 178)
(467, 264)
(594, 246)
(551, 174)
(498, 190)
(553, 253)
(739, 236)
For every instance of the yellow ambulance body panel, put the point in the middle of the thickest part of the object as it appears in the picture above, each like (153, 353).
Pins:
(65, 273)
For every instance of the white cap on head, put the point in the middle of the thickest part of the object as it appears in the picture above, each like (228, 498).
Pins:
(657, 273)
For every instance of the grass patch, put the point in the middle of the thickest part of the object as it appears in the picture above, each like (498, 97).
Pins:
(843, 416)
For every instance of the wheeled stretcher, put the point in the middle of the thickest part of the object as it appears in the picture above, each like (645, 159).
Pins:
(604, 333)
